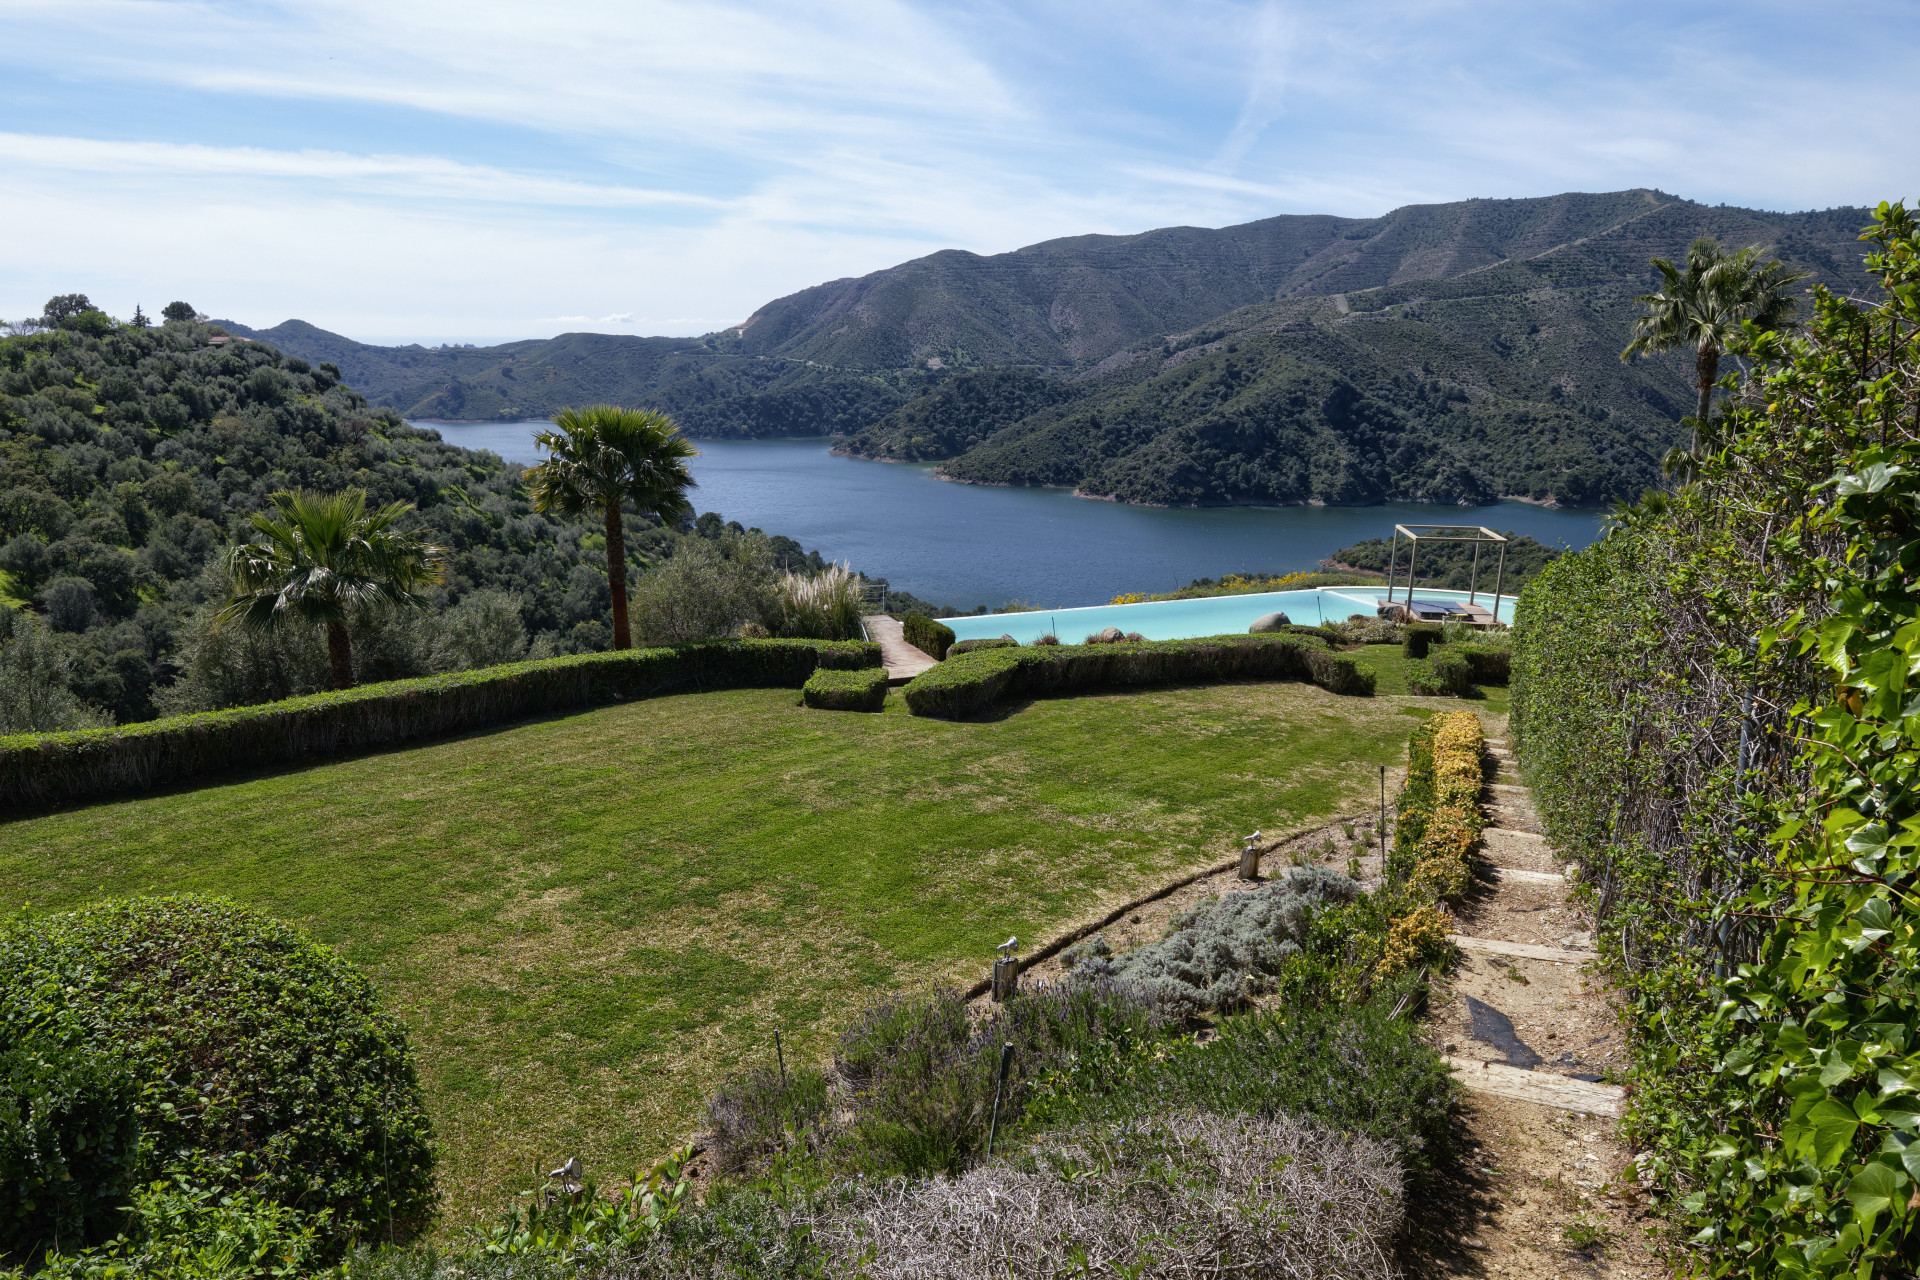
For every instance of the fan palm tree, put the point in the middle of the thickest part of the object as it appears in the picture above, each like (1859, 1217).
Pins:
(318, 557)
(603, 456)
(1704, 304)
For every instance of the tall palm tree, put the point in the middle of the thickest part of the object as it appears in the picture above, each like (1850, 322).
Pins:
(603, 456)
(320, 555)
(1703, 305)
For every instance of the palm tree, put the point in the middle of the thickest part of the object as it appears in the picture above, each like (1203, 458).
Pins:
(603, 456)
(1704, 305)
(319, 556)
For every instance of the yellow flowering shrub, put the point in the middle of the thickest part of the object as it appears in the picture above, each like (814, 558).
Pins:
(1419, 937)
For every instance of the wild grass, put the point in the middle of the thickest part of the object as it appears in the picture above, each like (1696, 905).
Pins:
(589, 921)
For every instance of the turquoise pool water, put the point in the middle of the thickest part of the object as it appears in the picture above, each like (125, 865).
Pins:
(1184, 619)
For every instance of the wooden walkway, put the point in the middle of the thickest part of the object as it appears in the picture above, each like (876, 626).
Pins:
(902, 660)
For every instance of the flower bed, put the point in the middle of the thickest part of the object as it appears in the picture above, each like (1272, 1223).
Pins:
(1440, 818)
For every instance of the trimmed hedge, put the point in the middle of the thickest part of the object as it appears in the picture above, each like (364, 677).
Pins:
(929, 637)
(69, 1147)
(1418, 637)
(1452, 670)
(61, 768)
(985, 642)
(969, 684)
(830, 690)
(1489, 664)
(260, 1056)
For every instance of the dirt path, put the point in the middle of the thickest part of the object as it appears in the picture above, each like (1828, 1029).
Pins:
(1532, 1031)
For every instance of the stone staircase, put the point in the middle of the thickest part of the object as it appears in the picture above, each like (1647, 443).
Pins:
(1523, 1019)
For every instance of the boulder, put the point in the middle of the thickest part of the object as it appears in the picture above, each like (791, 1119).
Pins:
(1270, 622)
(1112, 635)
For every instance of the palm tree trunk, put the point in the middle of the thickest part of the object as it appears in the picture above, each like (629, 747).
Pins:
(617, 577)
(340, 655)
(1706, 370)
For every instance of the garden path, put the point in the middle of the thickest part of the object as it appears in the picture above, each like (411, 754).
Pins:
(1531, 1028)
(902, 660)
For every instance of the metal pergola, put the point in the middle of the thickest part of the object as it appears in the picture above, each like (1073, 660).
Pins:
(1448, 533)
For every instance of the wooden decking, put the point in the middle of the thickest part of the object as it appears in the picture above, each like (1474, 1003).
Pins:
(902, 660)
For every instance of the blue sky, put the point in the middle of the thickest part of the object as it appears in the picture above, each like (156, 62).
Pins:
(438, 171)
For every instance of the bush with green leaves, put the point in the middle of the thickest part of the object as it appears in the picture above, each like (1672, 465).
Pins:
(1714, 704)
(1418, 637)
(984, 642)
(1216, 953)
(45, 769)
(259, 1054)
(181, 1228)
(864, 690)
(935, 639)
(970, 683)
(69, 1146)
(922, 1073)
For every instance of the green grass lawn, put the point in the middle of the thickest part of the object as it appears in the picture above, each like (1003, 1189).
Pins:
(587, 922)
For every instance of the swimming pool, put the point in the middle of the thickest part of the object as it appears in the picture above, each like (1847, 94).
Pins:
(1214, 616)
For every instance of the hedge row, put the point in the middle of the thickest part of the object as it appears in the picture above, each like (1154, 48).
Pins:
(61, 768)
(1439, 813)
(987, 642)
(929, 637)
(970, 683)
(1456, 669)
(831, 690)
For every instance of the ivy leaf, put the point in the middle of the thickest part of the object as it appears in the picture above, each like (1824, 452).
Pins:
(1876, 917)
(1872, 1191)
(1837, 1071)
(1834, 1125)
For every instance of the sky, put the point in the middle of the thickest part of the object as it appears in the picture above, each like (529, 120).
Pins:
(424, 170)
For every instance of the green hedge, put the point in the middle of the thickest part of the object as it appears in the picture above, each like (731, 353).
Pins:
(1421, 636)
(985, 642)
(830, 690)
(61, 768)
(259, 1055)
(1490, 664)
(69, 1147)
(929, 637)
(969, 684)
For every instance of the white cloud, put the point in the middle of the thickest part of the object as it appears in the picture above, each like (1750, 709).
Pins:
(492, 167)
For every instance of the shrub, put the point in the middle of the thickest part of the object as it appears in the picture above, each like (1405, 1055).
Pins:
(821, 606)
(182, 1229)
(1439, 809)
(65, 767)
(932, 638)
(969, 684)
(1487, 663)
(69, 1147)
(992, 642)
(1349, 1064)
(254, 1048)
(1452, 672)
(1168, 1196)
(922, 1073)
(1419, 637)
(754, 1116)
(829, 690)
(1215, 953)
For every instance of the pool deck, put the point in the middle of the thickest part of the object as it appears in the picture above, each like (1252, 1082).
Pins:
(902, 660)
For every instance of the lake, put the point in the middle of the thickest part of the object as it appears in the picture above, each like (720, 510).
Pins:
(967, 545)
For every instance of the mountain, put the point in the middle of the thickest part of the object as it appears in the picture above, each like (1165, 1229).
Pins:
(714, 395)
(1502, 379)
(1451, 352)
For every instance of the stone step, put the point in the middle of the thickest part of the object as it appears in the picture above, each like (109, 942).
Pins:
(1516, 833)
(1520, 950)
(1541, 1087)
(1529, 877)
(1506, 786)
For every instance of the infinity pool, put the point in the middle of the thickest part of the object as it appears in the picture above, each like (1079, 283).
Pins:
(1215, 616)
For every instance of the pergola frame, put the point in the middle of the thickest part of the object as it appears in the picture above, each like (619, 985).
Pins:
(1450, 533)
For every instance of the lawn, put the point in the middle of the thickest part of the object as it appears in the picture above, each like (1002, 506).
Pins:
(587, 922)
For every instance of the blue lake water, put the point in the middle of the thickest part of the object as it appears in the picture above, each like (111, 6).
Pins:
(968, 545)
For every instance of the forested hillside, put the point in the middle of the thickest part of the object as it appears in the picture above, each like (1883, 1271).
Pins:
(130, 459)
(1447, 353)
(712, 395)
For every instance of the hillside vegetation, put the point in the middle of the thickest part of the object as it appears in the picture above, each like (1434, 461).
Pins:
(131, 458)
(1445, 353)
